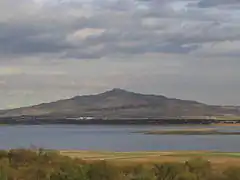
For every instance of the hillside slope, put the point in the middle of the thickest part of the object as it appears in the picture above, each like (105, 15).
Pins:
(120, 103)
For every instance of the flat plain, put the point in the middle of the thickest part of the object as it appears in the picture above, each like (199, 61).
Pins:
(218, 159)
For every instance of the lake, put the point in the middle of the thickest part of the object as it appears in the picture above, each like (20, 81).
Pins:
(113, 138)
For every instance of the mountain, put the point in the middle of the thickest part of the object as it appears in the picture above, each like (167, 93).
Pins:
(118, 103)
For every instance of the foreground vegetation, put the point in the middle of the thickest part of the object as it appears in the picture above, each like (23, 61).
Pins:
(24, 164)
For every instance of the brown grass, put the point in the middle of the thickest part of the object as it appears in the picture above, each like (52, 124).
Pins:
(221, 160)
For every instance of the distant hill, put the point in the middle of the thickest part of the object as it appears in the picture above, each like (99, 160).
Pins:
(119, 103)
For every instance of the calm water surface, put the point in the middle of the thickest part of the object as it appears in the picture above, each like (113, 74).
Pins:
(112, 138)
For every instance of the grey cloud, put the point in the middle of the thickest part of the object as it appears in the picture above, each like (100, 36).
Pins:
(180, 32)
(172, 47)
(29, 38)
(210, 3)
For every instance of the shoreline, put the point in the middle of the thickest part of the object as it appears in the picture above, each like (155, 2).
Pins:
(229, 124)
(199, 131)
(110, 123)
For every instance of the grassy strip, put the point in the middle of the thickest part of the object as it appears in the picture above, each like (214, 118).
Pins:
(188, 132)
(207, 154)
(132, 155)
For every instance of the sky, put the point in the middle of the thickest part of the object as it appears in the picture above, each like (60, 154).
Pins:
(56, 49)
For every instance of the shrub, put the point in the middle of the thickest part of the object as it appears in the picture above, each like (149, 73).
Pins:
(232, 173)
(200, 167)
(186, 176)
(168, 171)
(142, 172)
(104, 171)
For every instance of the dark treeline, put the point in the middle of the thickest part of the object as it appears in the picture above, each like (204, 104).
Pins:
(48, 165)
(125, 121)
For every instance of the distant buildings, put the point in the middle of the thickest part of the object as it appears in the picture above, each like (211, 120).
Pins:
(81, 118)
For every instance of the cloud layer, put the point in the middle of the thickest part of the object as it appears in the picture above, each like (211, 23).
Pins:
(181, 48)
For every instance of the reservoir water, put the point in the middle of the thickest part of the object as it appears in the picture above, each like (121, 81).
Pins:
(113, 138)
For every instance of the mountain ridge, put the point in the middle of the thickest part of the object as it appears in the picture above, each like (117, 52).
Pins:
(117, 103)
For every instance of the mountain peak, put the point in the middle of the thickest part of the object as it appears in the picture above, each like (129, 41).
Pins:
(116, 91)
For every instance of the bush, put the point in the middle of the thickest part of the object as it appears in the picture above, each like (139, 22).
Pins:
(168, 171)
(200, 167)
(73, 172)
(186, 176)
(232, 173)
(104, 171)
(3, 154)
(22, 157)
(142, 172)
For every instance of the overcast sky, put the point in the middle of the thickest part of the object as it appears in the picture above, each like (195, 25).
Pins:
(54, 49)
